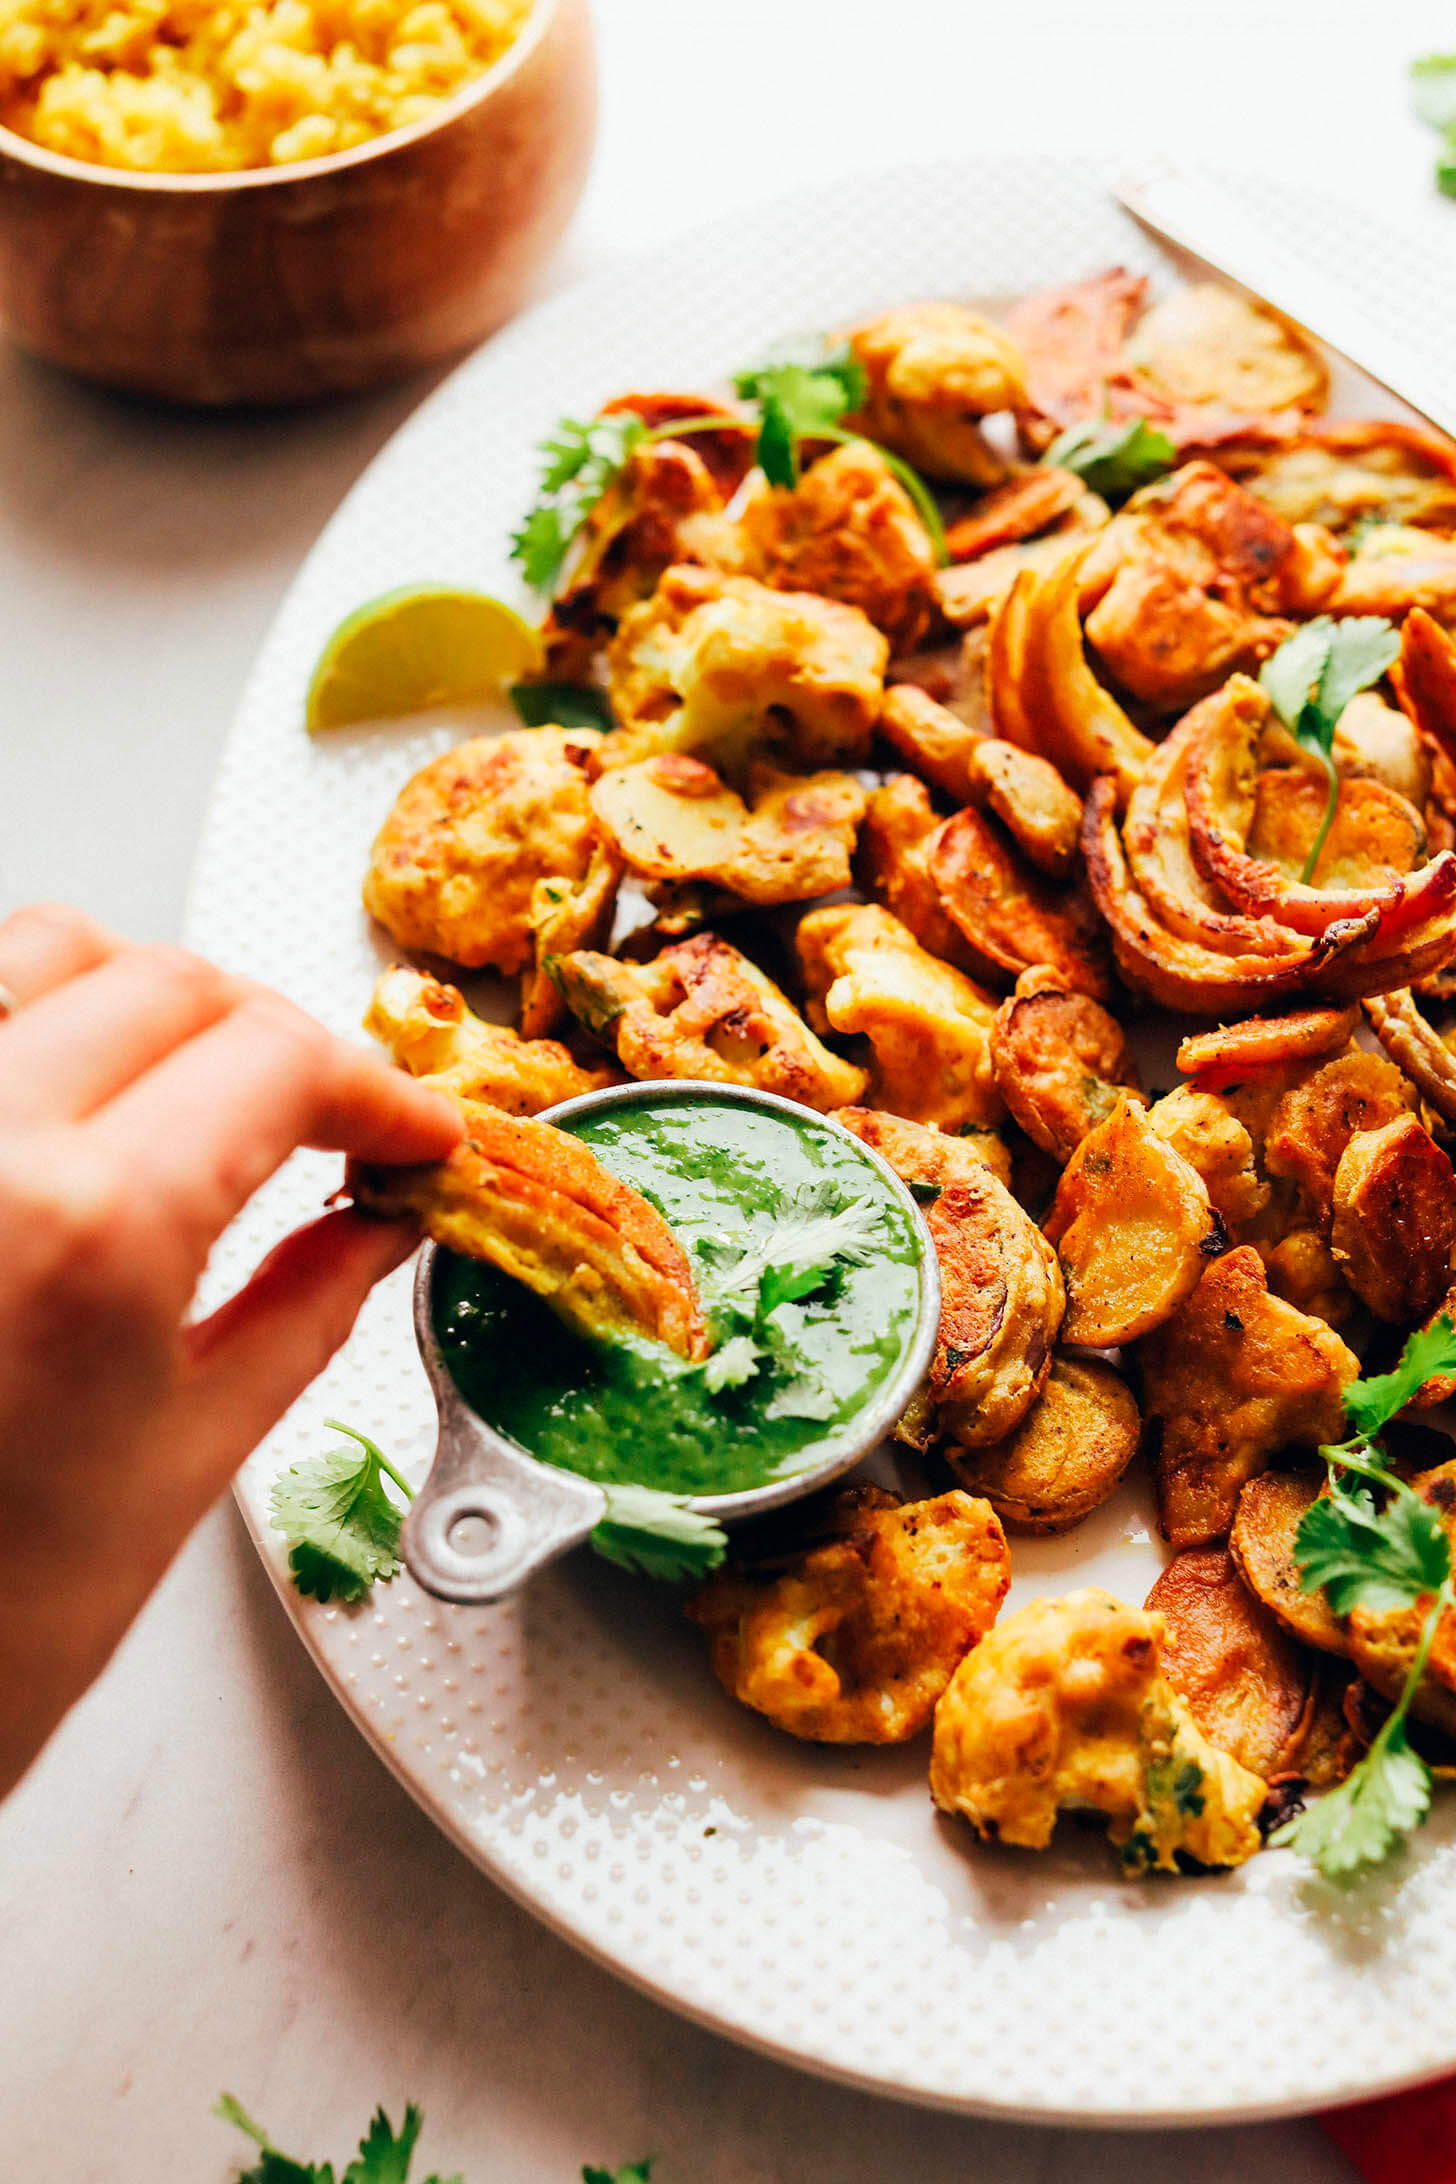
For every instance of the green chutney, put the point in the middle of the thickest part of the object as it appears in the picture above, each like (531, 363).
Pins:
(730, 1180)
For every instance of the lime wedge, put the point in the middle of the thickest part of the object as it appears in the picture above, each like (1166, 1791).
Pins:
(424, 645)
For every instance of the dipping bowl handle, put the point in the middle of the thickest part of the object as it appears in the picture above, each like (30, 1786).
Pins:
(525, 1513)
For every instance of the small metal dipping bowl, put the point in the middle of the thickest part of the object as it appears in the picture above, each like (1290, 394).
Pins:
(489, 1515)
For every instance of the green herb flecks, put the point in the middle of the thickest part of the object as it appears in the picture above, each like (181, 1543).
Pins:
(1433, 97)
(1312, 678)
(384, 2155)
(1111, 459)
(811, 1237)
(561, 705)
(1384, 1558)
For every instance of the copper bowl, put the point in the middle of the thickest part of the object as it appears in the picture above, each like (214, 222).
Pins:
(279, 284)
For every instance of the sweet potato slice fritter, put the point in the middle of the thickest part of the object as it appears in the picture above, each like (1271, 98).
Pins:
(1316, 1119)
(893, 865)
(1393, 1232)
(1061, 1061)
(1383, 1646)
(1245, 1684)
(1065, 1458)
(1133, 1228)
(1229, 1380)
(539, 1205)
(1270, 1510)
(1013, 917)
(855, 1643)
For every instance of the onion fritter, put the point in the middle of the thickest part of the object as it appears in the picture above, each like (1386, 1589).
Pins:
(858, 1639)
(1066, 1707)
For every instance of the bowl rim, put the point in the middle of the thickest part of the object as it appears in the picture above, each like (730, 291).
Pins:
(26, 152)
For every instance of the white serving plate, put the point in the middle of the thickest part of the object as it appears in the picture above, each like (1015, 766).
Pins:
(807, 1901)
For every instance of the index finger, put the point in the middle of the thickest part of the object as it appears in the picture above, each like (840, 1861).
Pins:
(202, 1130)
(48, 943)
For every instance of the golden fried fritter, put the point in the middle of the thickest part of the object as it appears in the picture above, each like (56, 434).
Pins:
(1209, 346)
(700, 1009)
(1261, 1044)
(926, 1159)
(968, 593)
(1061, 1061)
(454, 865)
(1233, 1377)
(1012, 917)
(538, 1204)
(723, 667)
(1066, 1707)
(1133, 1228)
(848, 530)
(1071, 337)
(1393, 1231)
(937, 743)
(672, 819)
(1001, 1304)
(1383, 1642)
(858, 1639)
(1246, 1685)
(1357, 468)
(1317, 1117)
(1218, 1145)
(1025, 505)
(1065, 1458)
(1026, 793)
(933, 369)
(1396, 567)
(566, 914)
(431, 1033)
(1270, 1511)
(928, 1026)
(893, 865)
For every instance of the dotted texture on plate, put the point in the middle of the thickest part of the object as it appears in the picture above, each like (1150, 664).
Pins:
(572, 1741)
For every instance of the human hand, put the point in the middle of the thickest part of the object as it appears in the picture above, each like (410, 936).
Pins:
(144, 1096)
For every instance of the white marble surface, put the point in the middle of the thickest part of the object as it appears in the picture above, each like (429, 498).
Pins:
(208, 1881)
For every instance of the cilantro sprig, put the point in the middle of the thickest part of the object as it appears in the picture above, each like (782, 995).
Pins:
(1384, 1558)
(1433, 96)
(342, 1524)
(384, 2155)
(796, 398)
(1112, 459)
(812, 1235)
(1311, 679)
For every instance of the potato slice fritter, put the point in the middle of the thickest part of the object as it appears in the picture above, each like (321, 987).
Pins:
(1065, 1458)
(539, 1205)
(1061, 1061)
(1394, 1226)
(1357, 468)
(1133, 1229)
(1264, 1043)
(1219, 1147)
(1032, 801)
(856, 1642)
(1316, 1119)
(933, 369)
(1230, 1379)
(1209, 346)
(929, 1027)
(431, 1033)
(725, 668)
(673, 819)
(1396, 568)
(893, 865)
(926, 1159)
(1270, 1511)
(1066, 1707)
(454, 865)
(1012, 917)
(700, 1009)
(1247, 1687)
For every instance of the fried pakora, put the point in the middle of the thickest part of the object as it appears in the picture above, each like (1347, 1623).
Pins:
(1061, 1061)
(430, 1031)
(1248, 1687)
(933, 371)
(672, 819)
(1067, 1455)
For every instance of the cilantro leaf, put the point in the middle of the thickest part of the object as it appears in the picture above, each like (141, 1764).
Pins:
(1381, 1562)
(658, 1535)
(341, 1526)
(1433, 89)
(582, 460)
(1113, 460)
(635, 2172)
(561, 705)
(810, 1237)
(1361, 1820)
(275, 2167)
(384, 2158)
(1312, 678)
(798, 399)
(732, 1363)
(1371, 1404)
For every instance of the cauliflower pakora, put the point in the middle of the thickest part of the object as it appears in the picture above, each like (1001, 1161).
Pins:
(429, 1030)
(928, 1026)
(538, 1204)
(856, 1641)
(455, 864)
(724, 668)
(933, 370)
(700, 1009)
(1066, 1707)
(1231, 1378)
(672, 819)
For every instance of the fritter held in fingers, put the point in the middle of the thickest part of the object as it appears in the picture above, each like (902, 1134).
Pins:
(1066, 1706)
(454, 865)
(539, 1205)
(858, 1638)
